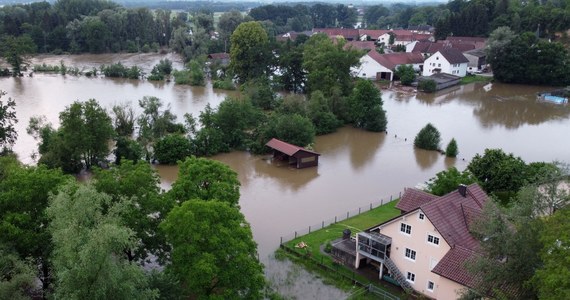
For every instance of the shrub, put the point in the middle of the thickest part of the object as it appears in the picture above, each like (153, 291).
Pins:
(145, 48)
(164, 66)
(427, 85)
(225, 84)
(406, 73)
(451, 149)
(134, 72)
(428, 138)
(181, 77)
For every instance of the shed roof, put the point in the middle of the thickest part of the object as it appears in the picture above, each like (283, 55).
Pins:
(477, 52)
(287, 148)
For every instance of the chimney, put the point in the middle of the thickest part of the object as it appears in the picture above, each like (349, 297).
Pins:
(462, 190)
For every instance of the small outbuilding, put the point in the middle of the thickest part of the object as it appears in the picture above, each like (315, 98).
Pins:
(295, 155)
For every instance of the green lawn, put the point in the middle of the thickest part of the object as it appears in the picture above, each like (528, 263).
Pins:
(321, 237)
(475, 78)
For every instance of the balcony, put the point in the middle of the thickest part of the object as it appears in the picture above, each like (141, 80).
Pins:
(373, 245)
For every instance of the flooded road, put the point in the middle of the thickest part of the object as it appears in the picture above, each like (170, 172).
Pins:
(356, 167)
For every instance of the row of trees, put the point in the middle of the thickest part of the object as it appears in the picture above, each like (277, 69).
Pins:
(93, 240)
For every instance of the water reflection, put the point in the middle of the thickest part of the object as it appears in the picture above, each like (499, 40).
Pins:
(288, 178)
(425, 158)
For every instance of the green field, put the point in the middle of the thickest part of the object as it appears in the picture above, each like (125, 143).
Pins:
(312, 254)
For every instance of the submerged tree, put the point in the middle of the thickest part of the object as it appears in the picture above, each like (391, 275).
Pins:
(14, 50)
(428, 138)
(366, 107)
(250, 55)
(451, 149)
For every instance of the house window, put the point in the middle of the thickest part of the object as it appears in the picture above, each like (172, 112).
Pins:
(430, 286)
(411, 277)
(439, 65)
(411, 254)
(421, 216)
(405, 228)
(433, 239)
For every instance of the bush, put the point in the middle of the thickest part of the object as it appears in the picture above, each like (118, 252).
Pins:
(172, 148)
(427, 85)
(181, 77)
(134, 72)
(196, 74)
(145, 48)
(164, 66)
(132, 47)
(451, 149)
(225, 84)
(428, 138)
(406, 73)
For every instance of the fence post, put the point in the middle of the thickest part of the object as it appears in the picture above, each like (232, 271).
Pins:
(281, 242)
(335, 219)
(309, 229)
(390, 198)
(295, 234)
(400, 194)
(323, 225)
(381, 202)
(347, 214)
(370, 206)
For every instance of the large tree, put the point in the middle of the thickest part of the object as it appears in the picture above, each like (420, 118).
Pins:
(249, 53)
(205, 179)
(328, 64)
(447, 181)
(17, 276)
(8, 120)
(14, 50)
(88, 233)
(498, 171)
(24, 195)
(551, 278)
(366, 107)
(138, 183)
(214, 255)
(82, 140)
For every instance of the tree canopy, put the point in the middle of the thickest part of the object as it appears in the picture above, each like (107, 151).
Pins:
(213, 255)
(205, 179)
(447, 181)
(366, 107)
(87, 233)
(249, 53)
(428, 138)
(8, 120)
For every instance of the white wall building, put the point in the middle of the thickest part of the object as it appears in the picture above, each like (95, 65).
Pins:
(449, 61)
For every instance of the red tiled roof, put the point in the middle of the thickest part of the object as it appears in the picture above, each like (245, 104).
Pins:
(372, 33)
(447, 215)
(452, 266)
(367, 45)
(347, 33)
(392, 60)
(454, 56)
(413, 199)
(286, 148)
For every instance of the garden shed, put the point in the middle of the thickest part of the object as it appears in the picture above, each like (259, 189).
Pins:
(295, 155)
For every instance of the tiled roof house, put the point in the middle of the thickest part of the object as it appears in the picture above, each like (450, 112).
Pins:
(378, 66)
(426, 247)
(449, 61)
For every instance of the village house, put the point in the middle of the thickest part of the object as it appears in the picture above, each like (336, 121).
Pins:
(348, 34)
(449, 61)
(378, 66)
(424, 248)
(371, 34)
(477, 59)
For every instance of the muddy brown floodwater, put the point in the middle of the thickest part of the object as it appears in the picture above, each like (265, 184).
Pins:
(356, 167)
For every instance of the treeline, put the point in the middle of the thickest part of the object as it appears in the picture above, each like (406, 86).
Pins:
(89, 26)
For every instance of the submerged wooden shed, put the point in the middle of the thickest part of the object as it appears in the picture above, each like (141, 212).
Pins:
(295, 155)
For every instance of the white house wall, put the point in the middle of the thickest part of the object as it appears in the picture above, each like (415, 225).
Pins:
(427, 255)
(437, 61)
(369, 68)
